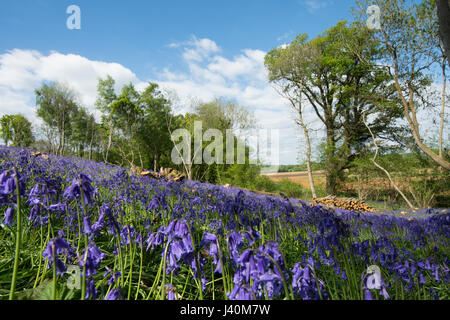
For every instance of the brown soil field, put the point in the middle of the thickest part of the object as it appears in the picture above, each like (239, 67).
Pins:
(374, 184)
(300, 178)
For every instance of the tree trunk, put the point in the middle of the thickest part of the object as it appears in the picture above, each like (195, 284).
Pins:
(441, 131)
(331, 171)
(412, 120)
(443, 8)
(308, 149)
(140, 157)
(109, 139)
(189, 171)
(155, 161)
(384, 170)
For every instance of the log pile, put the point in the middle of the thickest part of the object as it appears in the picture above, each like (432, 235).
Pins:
(165, 173)
(343, 203)
(40, 154)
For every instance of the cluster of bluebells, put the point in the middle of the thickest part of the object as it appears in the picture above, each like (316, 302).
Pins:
(7, 189)
(305, 283)
(194, 224)
(56, 248)
(260, 273)
(176, 239)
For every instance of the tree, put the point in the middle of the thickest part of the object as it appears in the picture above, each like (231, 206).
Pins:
(79, 130)
(84, 135)
(6, 129)
(56, 107)
(154, 133)
(106, 96)
(126, 116)
(17, 129)
(409, 39)
(330, 72)
(225, 117)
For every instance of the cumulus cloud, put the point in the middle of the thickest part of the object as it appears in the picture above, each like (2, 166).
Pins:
(315, 5)
(23, 71)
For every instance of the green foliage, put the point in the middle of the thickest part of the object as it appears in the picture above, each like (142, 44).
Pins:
(263, 183)
(332, 72)
(421, 179)
(291, 189)
(240, 175)
(56, 107)
(155, 128)
(45, 290)
(16, 128)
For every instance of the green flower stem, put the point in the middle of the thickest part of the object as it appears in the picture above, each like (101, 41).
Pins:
(163, 284)
(158, 275)
(18, 239)
(130, 274)
(86, 242)
(54, 273)
(83, 282)
(140, 270)
(40, 260)
(225, 286)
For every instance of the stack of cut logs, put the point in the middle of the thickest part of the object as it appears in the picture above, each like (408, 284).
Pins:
(36, 154)
(167, 173)
(346, 204)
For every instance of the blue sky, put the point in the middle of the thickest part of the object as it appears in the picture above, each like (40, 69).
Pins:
(198, 49)
(136, 33)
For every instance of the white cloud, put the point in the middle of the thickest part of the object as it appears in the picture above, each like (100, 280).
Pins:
(23, 71)
(196, 50)
(314, 5)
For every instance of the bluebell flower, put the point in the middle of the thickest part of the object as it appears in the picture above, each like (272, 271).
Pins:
(155, 239)
(56, 247)
(87, 225)
(114, 294)
(368, 295)
(9, 217)
(171, 292)
(241, 293)
(74, 191)
(91, 291)
(209, 241)
(92, 258)
(234, 240)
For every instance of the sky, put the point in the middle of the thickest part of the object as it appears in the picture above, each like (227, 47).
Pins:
(198, 49)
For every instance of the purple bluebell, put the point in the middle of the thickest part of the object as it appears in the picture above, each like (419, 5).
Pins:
(82, 182)
(241, 293)
(91, 291)
(9, 217)
(91, 258)
(114, 294)
(87, 225)
(210, 242)
(56, 247)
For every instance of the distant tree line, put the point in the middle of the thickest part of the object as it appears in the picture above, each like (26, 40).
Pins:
(134, 129)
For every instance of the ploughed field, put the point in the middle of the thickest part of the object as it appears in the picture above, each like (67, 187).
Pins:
(373, 188)
(72, 229)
